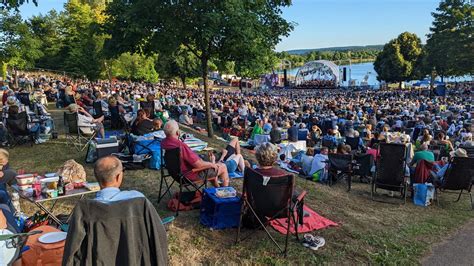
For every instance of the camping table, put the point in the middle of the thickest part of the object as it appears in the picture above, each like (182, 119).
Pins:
(39, 201)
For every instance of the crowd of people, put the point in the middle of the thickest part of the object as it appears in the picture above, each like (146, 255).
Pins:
(324, 120)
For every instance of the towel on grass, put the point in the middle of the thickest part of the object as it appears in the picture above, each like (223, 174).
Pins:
(310, 223)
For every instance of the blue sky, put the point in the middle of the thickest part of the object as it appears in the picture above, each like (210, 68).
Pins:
(328, 23)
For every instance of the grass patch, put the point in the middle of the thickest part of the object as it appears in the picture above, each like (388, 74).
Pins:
(369, 232)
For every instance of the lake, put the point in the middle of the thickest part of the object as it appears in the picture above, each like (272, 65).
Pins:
(358, 71)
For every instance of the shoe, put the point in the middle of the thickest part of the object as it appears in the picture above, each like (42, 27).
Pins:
(39, 141)
(307, 240)
(317, 243)
(47, 130)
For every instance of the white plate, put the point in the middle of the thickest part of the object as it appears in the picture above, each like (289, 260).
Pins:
(52, 237)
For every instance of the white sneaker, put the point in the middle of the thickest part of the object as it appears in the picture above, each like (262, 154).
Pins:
(40, 141)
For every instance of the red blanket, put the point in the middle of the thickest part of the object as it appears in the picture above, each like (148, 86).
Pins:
(422, 171)
(310, 223)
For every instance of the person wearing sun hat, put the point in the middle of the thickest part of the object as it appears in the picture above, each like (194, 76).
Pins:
(438, 176)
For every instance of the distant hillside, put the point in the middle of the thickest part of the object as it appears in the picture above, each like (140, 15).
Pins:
(332, 49)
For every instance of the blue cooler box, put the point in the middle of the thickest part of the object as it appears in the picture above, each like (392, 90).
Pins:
(219, 213)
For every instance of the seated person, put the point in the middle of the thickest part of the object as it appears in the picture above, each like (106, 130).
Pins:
(232, 157)
(275, 134)
(315, 135)
(293, 132)
(35, 129)
(319, 163)
(7, 177)
(329, 140)
(267, 155)
(422, 154)
(157, 124)
(257, 129)
(306, 161)
(343, 149)
(186, 119)
(109, 173)
(142, 125)
(86, 122)
(190, 160)
(127, 230)
(438, 175)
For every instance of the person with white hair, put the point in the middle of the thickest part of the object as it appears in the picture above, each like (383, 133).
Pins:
(190, 160)
(86, 121)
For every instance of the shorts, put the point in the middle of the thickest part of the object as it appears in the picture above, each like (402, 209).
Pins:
(231, 166)
(208, 173)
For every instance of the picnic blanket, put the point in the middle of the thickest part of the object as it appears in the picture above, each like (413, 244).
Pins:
(310, 223)
(194, 143)
(236, 174)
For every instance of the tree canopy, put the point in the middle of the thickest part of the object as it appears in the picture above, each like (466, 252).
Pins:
(450, 44)
(224, 30)
(400, 59)
(14, 4)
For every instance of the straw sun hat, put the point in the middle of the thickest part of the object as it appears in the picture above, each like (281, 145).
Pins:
(458, 153)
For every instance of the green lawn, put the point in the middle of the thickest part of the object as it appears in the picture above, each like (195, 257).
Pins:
(368, 231)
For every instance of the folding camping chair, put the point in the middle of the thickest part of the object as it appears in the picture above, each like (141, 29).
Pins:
(469, 150)
(353, 142)
(390, 169)
(116, 120)
(270, 198)
(171, 160)
(75, 134)
(17, 129)
(340, 166)
(97, 106)
(363, 168)
(24, 98)
(13, 243)
(458, 177)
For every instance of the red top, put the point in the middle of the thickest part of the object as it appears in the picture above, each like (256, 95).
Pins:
(188, 157)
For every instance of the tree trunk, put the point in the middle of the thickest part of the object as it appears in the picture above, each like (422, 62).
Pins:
(16, 79)
(183, 80)
(400, 84)
(204, 69)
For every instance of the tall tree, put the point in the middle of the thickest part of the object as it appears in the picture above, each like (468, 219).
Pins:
(450, 43)
(135, 67)
(180, 64)
(82, 49)
(227, 30)
(49, 30)
(18, 47)
(399, 59)
(14, 4)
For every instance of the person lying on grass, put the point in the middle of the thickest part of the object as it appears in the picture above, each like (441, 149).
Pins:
(190, 160)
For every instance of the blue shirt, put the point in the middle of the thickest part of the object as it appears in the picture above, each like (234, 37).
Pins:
(111, 194)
